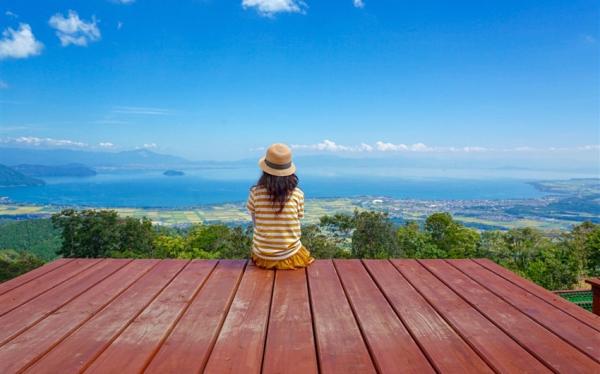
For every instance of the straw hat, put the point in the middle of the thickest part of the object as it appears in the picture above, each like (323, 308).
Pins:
(278, 161)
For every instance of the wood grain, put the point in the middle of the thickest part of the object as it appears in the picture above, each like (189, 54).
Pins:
(239, 347)
(340, 345)
(499, 350)
(290, 346)
(446, 350)
(80, 348)
(29, 346)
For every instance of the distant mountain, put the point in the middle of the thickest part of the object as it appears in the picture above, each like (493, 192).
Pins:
(12, 178)
(69, 170)
(53, 157)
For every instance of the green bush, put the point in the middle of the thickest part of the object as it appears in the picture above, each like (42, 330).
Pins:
(14, 263)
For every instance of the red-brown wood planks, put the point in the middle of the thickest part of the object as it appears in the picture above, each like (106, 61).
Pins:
(562, 324)
(340, 346)
(391, 345)
(446, 350)
(239, 347)
(546, 346)
(187, 348)
(30, 345)
(31, 312)
(84, 345)
(136, 345)
(542, 293)
(290, 346)
(499, 350)
(31, 275)
(20, 295)
(179, 316)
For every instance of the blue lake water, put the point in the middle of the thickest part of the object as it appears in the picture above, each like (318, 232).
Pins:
(152, 189)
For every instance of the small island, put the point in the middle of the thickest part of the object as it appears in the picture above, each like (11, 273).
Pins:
(173, 173)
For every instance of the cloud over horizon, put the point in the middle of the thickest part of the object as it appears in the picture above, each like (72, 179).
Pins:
(387, 147)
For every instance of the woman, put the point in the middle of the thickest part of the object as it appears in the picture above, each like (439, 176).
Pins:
(276, 205)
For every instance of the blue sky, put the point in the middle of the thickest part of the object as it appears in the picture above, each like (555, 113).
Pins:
(221, 79)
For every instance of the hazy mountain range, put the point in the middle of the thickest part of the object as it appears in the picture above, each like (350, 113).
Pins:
(139, 157)
(147, 159)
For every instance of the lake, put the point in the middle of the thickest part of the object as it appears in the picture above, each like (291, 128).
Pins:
(201, 187)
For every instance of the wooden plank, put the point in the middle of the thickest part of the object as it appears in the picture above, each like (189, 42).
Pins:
(39, 339)
(20, 295)
(31, 275)
(390, 344)
(290, 346)
(499, 350)
(239, 347)
(136, 345)
(340, 345)
(86, 343)
(542, 293)
(446, 350)
(562, 324)
(21, 318)
(187, 348)
(544, 345)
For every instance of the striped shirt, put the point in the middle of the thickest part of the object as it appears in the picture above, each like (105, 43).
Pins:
(276, 234)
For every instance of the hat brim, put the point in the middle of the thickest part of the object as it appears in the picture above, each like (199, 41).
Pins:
(276, 172)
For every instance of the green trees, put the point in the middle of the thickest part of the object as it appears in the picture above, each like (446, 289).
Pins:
(372, 234)
(584, 241)
(102, 233)
(450, 237)
(528, 252)
(553, 260)
(35, 236)
(322, 244)
(14, 263)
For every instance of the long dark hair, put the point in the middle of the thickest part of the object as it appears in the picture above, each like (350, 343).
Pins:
(280, 188)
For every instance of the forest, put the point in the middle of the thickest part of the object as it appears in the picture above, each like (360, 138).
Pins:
(553, 259)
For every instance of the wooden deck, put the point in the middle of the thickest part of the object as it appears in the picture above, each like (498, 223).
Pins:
(343, 316)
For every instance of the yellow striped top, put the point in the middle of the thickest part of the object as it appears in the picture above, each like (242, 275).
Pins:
(276, 235)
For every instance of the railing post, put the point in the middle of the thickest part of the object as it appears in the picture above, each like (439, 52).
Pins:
(595, 295)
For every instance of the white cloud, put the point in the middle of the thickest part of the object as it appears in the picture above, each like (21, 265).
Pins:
(11, 14)
(43, 142)
(149, 145)
(119, 25)
(141, 110)
(359, 3)
(388, 147)
(106, 144)
(331, 146)
(125, 2)
(269, 8)
(73, 30)
(19, 43)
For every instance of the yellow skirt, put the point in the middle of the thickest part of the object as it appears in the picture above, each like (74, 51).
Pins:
(301, 259)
